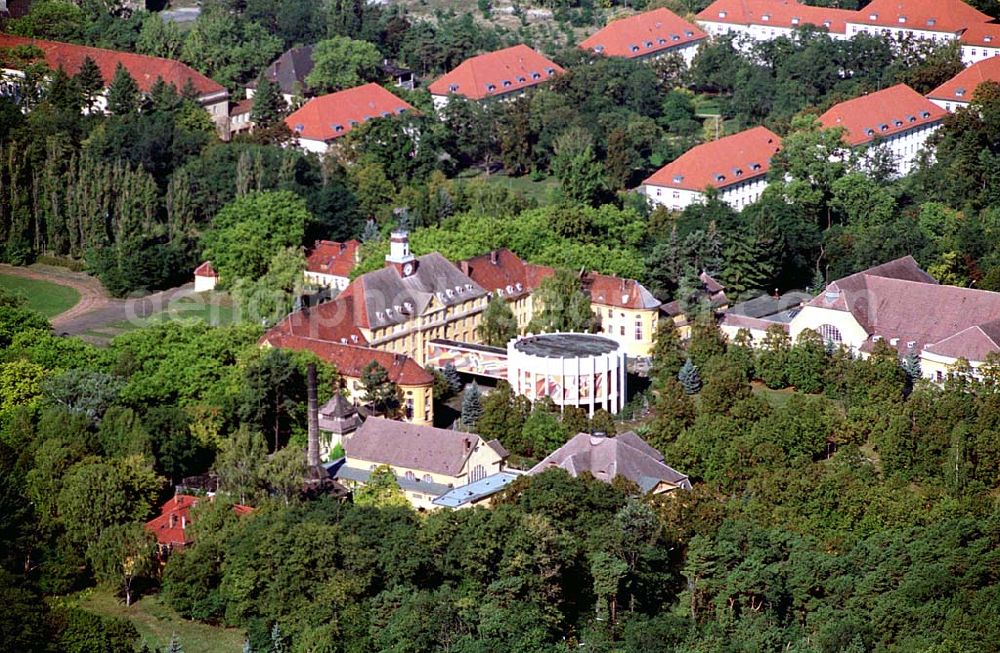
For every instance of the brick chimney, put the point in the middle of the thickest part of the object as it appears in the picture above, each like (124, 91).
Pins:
(312, 453)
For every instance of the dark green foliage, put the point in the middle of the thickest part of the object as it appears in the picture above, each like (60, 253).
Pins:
(472, 406)
(123, 93)
(452, 377)
(498, 325)
(268, 104)
(379, 391)
(689, 378)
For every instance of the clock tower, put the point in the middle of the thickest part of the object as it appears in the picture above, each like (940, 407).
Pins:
(399, 255)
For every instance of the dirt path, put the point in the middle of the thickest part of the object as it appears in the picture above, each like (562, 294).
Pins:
(96, 308)
(93, 296)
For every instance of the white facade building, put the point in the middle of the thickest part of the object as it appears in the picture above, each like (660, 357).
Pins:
(736, 166)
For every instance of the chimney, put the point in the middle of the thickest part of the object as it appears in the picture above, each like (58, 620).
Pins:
(184, 524)
(495, 257)
(312, 454)
(464, 267)
(468, 444)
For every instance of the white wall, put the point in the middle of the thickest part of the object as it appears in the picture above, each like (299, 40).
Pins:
(737, 196)
(326, 280)
(975, 53)
(950, 105)
(902, 31)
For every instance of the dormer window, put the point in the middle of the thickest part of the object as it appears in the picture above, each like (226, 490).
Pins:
(755, 166)
(766, 17)
(299, 127)
(536, 76)
(932, 22)
(499, 292)
(635, 48)
(720, 177)
(521, 79)
(987, 39)
(550, 71)
(688, 33)
(379, 315)
(884, 127)
(678, 179)
(959, 92)
(598, 49)
(899, 123)
(722, 14)
(506, 83)
(449, 293)
(338, 128)
(674, 37)
(901, 19)
(518, 287)
(386, 114)
(925, 114)
(662, 41)
(872, 16)
(870, 132)
(401, 110)
(491, 87)
(468, 286)
(388, 313)
(354, 123)
(911, 118)
(453, 88)
(827, 24)
(795, 20)
(649, 44)
(510, 290)
(408, 306)
(738, 172)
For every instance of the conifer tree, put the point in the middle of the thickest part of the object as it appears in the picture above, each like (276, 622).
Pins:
(123, 93)
(163, 96)
(452, 377)
(911, 366)
(268, 104)
(277, 640)
(89, 80)
(472, 406)
(175, 645)
(689, 377)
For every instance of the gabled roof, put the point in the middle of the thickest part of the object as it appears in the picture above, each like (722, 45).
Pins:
(982, 34)
(931, 15)
(350, 360)
(206, 270)
(496, 73)
(607, 290)
(332, 257)
(882, 114)
(643, 34)
(145, 70)
(778, 13)
(898, 300)
(727, 161)
(505, 271)
(289, 70)
(170, 526)
(334, 321)
(412, 446)
(625, 455)
(331, 116)
(961, 87)
(384, 297)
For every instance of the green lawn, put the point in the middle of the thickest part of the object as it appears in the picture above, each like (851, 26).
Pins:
(47, 298)
(777, 398)
(540, 191)
(212, 308)
(157, 623)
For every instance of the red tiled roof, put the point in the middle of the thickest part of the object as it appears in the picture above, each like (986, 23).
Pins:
(972, 344)
(607, 290)
(335, 321)
(932, 15)
(961, 87)
(331, 116)
(170, 526)
(350, 360)
(503, 269)
(332, 257)
(729, 160)
(779, 13)
(206, 270)
(984, 34)
(881, 114)
(144, 69)
(496, 73)
(642, 34)
(241, 107)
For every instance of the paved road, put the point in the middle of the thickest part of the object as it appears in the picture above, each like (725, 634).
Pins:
(96, 309)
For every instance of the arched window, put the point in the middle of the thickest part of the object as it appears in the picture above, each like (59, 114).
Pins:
(410, 476)
(830, 333)
(478, 473)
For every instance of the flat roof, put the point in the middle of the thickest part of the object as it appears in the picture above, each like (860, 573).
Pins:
(566, 345)
(475, 491)
(471, 346)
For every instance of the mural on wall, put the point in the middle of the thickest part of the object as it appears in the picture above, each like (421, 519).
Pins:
(467, 360)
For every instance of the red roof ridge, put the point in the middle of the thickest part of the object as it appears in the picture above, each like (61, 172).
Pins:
(930, 15)
(350, 360)
(882, 113)
(626, 36)
(736, 158)
(780, 13)
(333, 115)
(962, 86)
(507, 70)
(143, 68)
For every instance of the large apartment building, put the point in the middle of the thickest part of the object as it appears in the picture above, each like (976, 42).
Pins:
(645, 36)
(503, 74)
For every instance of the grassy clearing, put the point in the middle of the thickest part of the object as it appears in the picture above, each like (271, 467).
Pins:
(212, 308)
(776, 398)
(541, 191)
(157, 623)
(49, 299)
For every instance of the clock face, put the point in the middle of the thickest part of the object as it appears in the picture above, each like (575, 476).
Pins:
(408, 269)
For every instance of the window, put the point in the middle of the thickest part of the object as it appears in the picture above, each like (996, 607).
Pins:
(410, 476)
(939, 376)
(621, 330)
(427, 478)
(477, 474)
(638, 329)
(830, 333)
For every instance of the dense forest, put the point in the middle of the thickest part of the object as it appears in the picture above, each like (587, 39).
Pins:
(856, 513)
